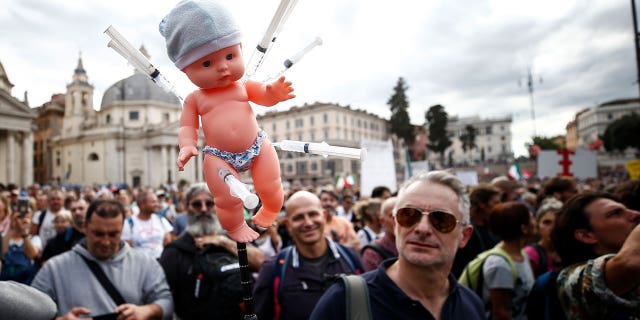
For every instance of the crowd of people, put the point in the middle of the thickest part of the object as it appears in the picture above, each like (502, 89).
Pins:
(505, 249)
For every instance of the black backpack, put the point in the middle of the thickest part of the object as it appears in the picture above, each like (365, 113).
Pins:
(216, 273)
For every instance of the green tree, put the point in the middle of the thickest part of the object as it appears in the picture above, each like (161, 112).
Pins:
(623, 133)
(468, 138)
(436, 119)
(542, 143)
(400, 123)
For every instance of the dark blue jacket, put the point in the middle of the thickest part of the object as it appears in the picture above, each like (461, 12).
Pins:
(388, 301)
(302, 285)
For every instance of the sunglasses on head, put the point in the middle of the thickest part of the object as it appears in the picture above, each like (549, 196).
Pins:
(442, 221)
(197, 204)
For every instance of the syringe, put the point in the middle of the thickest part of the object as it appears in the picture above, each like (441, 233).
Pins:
(238, 189)
(295, 58)
(322, 149)
(138, 60)
(278, 20)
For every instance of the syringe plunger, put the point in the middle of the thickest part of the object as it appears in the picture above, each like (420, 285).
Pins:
(238, 189)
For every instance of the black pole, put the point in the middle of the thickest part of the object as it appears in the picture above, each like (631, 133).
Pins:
(635, 37)
(246, 281)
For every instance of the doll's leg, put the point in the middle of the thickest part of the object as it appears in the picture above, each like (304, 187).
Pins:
(266, 179)
(228, 208)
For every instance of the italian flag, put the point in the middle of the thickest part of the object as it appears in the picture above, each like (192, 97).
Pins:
(515, 172)
(345, 181)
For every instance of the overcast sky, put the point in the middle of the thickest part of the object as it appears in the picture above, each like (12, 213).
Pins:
(467, 55)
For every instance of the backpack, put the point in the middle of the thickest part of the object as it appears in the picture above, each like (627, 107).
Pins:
(280, 268)
(217, 276)
(356, 293)
(472, 275)
(543, 302)
(384, 253)
(542, 261)
(17, 266)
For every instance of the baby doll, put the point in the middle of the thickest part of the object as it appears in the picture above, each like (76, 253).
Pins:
(204, 42)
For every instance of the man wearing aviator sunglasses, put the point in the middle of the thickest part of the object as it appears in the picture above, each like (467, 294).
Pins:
(432, 222)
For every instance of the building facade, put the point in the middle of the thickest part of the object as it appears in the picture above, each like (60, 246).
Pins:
(47, 125)
(492, 140)
(131, 140)
(16, 135)
(592, 123)
(336, 125)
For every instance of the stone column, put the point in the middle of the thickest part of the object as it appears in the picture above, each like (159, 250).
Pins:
(163, 164)
(27, 158)
(11, 160)
(199, 168)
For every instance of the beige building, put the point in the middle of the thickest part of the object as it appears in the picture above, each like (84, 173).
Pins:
(16, 137)
(493, 141)
(592, 123)
(337, 125)
(132, 139)
(47, 125)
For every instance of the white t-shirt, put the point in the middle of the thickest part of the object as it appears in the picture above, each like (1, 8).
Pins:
(47, 229)
(498, 275)
(148, 235)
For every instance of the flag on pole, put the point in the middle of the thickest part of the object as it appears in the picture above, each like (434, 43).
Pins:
(515, 172)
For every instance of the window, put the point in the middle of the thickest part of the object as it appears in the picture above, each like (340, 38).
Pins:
(57, 158)
(488, 130)
(134, 115)
(288, 126)
(289, 168)
(609, 116)
(299, 123)
(326, 134)
(93, 157)
(313, 136)
(166, 117)
(325, 118)
(274, 127)
(108, 119)
(359, 124)
(314, 166)
(311, 120)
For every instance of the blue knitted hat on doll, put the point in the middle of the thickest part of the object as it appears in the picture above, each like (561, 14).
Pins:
(196, 28)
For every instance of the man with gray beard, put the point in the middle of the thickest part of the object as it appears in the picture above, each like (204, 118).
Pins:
(201, 265)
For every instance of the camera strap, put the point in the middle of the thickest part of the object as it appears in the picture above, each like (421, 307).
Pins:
(104, 281)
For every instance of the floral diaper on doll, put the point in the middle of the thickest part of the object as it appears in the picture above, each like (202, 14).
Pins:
(241, 161)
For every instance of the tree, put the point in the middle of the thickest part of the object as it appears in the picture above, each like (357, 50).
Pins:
(623, 133)
(468, 138)
(400, 123)
(541, 143)
(437, 119)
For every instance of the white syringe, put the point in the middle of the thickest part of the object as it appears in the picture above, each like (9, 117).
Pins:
(295, 58)
(322, 149)
(278, 20)
(238, 189)
(138, 60)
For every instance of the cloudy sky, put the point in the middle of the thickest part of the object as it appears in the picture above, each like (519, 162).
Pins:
(468, 55)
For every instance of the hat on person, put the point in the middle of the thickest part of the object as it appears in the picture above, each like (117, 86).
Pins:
(196, 28)
(160, 193)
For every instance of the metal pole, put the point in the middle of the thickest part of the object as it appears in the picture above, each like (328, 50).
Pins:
(637, 42)
(533, 109)
(246, 281)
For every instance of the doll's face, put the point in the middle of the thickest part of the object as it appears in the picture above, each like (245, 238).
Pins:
(217, 69)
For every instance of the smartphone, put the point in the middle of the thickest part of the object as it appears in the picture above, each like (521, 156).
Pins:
(106, 316)
(23, 207)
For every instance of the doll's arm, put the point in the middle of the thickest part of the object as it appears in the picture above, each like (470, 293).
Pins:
(269, 94)
(188, 134)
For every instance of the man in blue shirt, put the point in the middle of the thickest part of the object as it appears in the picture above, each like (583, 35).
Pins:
(432, 222)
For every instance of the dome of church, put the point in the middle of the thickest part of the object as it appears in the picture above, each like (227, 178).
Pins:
(137, 87)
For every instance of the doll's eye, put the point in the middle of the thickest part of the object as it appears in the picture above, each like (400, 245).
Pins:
(206, 64)
(230, 56)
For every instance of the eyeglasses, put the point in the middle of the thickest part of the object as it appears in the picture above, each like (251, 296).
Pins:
(198, 204)
(442, 221)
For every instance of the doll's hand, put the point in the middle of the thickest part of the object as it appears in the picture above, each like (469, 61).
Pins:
(280, 90)
(185, 154)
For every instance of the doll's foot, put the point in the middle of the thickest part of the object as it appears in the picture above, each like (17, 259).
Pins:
(264, 218)
(243, 234)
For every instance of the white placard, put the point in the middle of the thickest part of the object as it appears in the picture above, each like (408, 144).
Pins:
(580, 164)
(379, 168)
(469, 178)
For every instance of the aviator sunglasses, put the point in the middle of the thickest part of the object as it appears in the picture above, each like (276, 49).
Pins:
(442, 221)
(197, 204)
